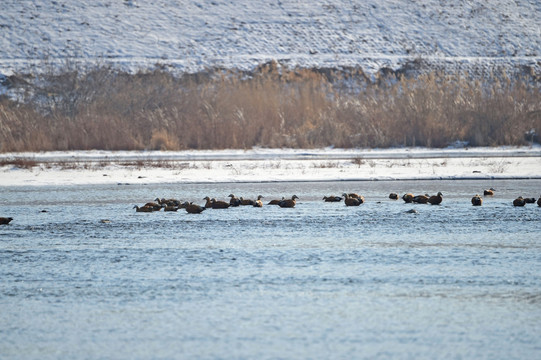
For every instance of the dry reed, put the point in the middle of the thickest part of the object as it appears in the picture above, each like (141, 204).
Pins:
(273, 106)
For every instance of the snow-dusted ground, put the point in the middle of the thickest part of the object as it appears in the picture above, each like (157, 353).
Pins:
(189, 36)
(193, 35)
(260, 165)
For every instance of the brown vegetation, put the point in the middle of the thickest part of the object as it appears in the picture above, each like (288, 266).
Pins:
(272, 107)
(22, 163)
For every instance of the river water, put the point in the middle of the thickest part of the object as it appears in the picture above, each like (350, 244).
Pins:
(321, 280)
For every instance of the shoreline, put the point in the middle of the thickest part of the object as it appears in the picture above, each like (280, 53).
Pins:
(268, 166)
(279, 153)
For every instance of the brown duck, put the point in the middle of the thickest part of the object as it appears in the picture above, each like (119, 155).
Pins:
(489, 192)
(351, 201)
(208, 204)
(219, 204)
(258, 202)
(408, 197)
(167, 207)
(235, 201)
(393, 196)
(477, 200)
(144, 208)
(245, 202)
(5, 220)
(420, 199)
(192, 208)
(275, 201)
(519, 201)
(288, 203)
(332, 198)
(153, 205)
(436, 199)
(168, 202)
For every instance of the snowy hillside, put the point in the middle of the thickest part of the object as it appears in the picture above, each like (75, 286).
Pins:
(192, 35)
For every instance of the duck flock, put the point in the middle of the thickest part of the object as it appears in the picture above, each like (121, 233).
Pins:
(349, 199)
(211, 203)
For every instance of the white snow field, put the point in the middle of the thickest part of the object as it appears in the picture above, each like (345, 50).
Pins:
(190, 36)
(270, 165)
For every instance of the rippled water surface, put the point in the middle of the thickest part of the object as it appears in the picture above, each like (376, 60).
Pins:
(321, 280)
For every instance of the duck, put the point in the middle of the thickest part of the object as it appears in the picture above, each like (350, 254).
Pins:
(477, 200)
(192, 208)
(529, 200)
(169, 202)
(245, 202)
(355, 196)
(258, 202)
(489, 192)
(351, 201)
(332, 198)
(408, 197)
(153, 205)
(235, 201)
(420, 199)
(219, 204)
(144, 208)
(182, 205)
(539, 201)
(393, 196)
(436, 199)
(519, 201)
(167, 207)
(288, 203)
(275, 201)
(208, 204)
(5, 220)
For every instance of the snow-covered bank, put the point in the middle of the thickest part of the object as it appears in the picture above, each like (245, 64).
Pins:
(262, 165)
(458, 151)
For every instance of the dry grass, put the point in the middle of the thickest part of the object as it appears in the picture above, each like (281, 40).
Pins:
(272, 107)
(499, 167)
(326, 165)
(358, 161)
(21, 163)
(29, 164)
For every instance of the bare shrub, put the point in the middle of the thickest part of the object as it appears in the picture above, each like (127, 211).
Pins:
(358, 161)
(326, 165)
(275, 165)
(499, 167)
(68, 165)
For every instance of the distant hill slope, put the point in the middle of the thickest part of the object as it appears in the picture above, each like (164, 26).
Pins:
(193, 35)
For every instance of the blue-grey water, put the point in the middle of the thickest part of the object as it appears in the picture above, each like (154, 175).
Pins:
(321, 280)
